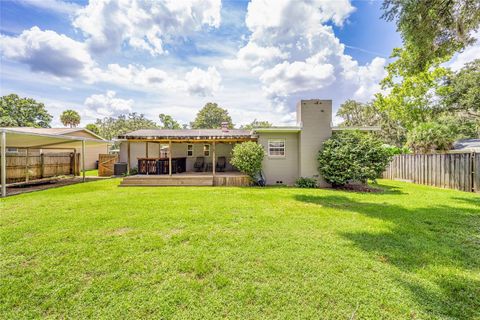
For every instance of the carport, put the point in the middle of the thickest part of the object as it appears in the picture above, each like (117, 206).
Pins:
(11, 138)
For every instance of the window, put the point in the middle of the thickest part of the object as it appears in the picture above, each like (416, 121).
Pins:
(206, 150)
(276, 148)
(164, 151)
(189, 150)
(12, 150)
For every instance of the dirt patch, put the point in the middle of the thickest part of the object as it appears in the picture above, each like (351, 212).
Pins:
(121, 231)
(38, 185)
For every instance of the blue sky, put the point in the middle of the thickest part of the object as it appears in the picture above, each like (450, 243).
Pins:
(257, 58)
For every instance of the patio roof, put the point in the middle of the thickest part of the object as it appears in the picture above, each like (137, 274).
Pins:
(188, 134)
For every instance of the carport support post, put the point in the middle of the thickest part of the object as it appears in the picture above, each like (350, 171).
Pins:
(83, 160)
(3, 164)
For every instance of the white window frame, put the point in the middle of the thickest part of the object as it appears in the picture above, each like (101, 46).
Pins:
(277, 155)
(206, 150)
(164, 153)
(190, 151)
(11, 150)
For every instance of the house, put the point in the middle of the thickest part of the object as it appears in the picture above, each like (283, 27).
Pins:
(92, 151)
(291, 151)
(466, 145)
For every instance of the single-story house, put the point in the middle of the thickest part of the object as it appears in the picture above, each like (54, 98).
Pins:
(291, 151)
(92, 151)
(466, 145)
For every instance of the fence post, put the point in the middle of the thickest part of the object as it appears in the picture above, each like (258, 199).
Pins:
(42, 165)
(27, 174)
(472, 172)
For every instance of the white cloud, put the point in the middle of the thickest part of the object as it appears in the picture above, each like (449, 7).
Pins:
(296, 55)
(203, 83)
(106, 105)
(196, 82)
(144, 25)
(58, 6)
(49, 52)
(56, 54)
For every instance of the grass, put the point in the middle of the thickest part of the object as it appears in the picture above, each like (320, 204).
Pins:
(91, 173)
(94, 250)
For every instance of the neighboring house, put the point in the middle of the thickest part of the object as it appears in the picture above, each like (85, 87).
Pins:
(466, 145)
(92, 151)
(291, 151)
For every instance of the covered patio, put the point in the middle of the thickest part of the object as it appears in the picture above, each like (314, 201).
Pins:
(182, 157)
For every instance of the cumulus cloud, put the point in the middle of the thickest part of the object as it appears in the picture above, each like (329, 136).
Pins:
(296, 55)
(203, 83)
(49, 52)
(107, 105)
(144, 25)
(56, 54)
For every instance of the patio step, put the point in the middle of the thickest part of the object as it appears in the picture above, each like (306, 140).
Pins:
(167, 181)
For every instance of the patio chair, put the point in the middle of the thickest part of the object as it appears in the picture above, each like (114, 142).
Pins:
(199, 164)
(221, 164)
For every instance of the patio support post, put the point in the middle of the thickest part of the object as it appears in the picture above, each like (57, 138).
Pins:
(26, 166)
(213, 158)
(146, 156)
(170, 157)
(128, 157)
(3, 164)
(83, 160)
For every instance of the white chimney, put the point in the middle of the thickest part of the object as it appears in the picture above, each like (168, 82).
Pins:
(224, 126)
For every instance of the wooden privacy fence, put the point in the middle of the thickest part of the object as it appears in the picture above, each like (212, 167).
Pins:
(41, 165)
(460, 171)
(105, 164)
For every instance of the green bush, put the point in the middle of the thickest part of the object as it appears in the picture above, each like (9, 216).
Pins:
(247, 157)
(352, 156)
(429, 137)
(394, 150)
(306, 182)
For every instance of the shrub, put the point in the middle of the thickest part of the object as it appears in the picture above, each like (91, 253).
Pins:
(352, 156)
(394, 150)
(247, 157)
(306, 182)
(430, 136)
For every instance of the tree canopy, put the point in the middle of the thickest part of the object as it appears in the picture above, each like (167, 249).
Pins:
(92, 127)
(211, 116)
(168, 122)
(256, 124)
(111, 127)
(70, 118)
(461, 91)
(23, 112)
(433, 30)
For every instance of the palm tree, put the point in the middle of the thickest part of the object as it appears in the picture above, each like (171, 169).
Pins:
(70, 118)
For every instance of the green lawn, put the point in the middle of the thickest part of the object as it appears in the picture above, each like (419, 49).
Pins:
(94, 250)
(91, 173)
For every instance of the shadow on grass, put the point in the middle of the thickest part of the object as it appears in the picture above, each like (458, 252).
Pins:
(438, 237)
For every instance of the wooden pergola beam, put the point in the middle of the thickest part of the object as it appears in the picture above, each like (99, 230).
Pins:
(166, 141)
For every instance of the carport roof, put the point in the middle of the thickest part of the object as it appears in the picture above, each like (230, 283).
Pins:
(18, 138)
